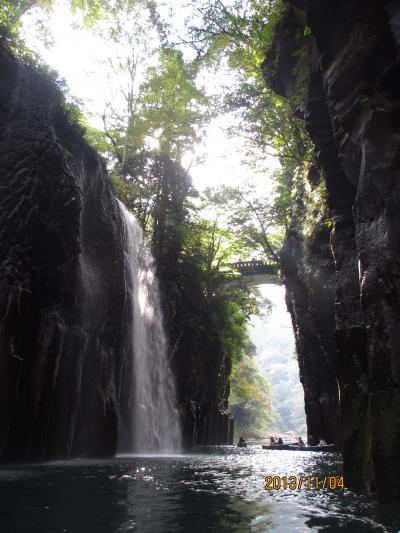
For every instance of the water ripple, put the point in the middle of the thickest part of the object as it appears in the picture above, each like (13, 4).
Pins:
(212, 489)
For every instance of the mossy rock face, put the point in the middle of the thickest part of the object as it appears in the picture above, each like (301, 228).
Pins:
(351, 108)
(62, 294)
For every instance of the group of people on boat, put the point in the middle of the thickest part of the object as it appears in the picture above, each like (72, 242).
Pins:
(277, 441)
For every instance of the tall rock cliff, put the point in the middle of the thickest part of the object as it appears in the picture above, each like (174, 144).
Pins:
(65, 318)
(308, 272)
(346, 56)
(64, 354)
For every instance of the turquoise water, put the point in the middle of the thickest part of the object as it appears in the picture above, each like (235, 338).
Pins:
(217, 489)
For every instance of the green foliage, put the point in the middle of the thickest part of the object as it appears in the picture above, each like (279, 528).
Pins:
(93, 10)
(95, 137)
(155, 190)
(231, 310)
(311, 210)
(11, 13)
(173, 108)
(254, 218)
(270, 124)
(162, 114)
(329, 223)
(239, 34)
(228, 305)
(215, 246)
(167, 108)
(231, 303)
(241, 31)
(250, 401)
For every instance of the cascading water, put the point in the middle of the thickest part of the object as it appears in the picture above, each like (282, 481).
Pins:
(154, 419)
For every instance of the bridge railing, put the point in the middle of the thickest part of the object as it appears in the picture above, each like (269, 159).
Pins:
(255, 267)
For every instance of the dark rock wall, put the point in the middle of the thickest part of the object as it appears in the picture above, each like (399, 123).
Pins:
(63, 315)
(309, 277)
(201, 367)
(350, 55)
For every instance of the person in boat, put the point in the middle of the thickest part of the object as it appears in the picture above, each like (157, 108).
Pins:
(300, 441)
(280, 441)
(242, 440)
(322, 442)
(272, 441)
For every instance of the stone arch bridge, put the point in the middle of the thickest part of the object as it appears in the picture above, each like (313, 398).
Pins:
(256, 272)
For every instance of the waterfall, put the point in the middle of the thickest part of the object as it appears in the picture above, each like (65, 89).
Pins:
(153, 424)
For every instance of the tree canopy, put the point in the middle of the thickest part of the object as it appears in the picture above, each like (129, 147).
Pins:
(157, 116)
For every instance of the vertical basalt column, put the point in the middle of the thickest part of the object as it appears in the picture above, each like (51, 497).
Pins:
(358, 46)
(351, 369)
(310, 301)
(62, 291)
(377, 218)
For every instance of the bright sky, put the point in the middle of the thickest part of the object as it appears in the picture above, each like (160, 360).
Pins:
(275, 344)
(76, 55)
(79, 57)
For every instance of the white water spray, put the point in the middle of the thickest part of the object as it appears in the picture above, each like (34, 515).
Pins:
(153, 414)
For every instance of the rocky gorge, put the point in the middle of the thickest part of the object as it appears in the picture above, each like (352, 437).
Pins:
(65, 346)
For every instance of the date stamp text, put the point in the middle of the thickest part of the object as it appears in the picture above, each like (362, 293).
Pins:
(304, 482)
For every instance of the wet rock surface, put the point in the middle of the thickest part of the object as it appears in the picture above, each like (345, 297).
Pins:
(62, 295)
(350, 66)
(309, 277)
(200, 365)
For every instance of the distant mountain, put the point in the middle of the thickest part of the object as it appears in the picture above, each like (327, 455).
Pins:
(274, 341)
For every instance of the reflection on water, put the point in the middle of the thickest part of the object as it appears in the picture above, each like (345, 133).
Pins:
(214, 489)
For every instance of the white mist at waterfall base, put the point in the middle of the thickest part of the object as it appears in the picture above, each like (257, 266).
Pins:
(154, 418)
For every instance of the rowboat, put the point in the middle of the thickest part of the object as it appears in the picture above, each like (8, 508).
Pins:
(294, 448)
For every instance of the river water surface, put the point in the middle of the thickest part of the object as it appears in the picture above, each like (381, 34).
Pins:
(217, 489)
